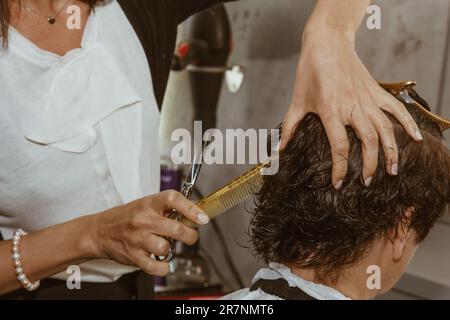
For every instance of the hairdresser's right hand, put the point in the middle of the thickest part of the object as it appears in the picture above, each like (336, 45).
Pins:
(129, 234)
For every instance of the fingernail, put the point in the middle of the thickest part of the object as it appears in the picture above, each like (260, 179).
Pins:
(368, 181)
(419, 135)
(338, 185)
(394, 169)
(202, 218)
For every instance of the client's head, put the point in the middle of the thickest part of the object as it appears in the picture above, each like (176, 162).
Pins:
(332, 236)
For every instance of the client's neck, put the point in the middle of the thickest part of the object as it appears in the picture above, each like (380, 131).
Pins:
(351, 282)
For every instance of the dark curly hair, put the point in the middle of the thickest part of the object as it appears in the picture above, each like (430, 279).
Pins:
(300, 219)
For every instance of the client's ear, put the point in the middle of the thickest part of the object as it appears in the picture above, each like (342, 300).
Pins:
(401, 235)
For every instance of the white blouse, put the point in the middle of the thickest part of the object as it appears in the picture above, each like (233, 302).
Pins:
(78, 133)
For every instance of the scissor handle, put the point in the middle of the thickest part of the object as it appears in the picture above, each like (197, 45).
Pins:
(174, 215)
(171, 253)
(186, 191)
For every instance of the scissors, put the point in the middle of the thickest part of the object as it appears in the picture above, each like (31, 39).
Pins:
(186, 190)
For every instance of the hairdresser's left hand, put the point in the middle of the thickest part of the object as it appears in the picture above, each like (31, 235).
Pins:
(333, 83)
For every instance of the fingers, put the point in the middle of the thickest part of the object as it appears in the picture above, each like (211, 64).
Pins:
(399, 111)
(166, 227)
(156, 245)
(340, 147)
(385, 131)
(293, 116)
(368, 136)
(149, 265)
(174, 200)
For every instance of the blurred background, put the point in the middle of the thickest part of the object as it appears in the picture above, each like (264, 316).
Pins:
(413, 44)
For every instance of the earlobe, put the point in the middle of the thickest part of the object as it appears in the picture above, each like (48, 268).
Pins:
(401, 237)
(399, 247)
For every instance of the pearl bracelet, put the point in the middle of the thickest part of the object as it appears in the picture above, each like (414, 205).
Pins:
(21, 277)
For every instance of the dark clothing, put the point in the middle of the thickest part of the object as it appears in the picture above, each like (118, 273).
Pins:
(133, 286)
(280, 288)
(156, 22)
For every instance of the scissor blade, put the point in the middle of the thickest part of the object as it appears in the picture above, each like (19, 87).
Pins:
(194, 170)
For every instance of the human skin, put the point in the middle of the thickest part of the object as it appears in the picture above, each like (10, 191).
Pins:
(129, 233)
(390, 253)
(333, 83)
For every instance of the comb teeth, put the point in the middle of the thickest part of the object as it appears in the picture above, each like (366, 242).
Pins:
(232, 194)
(241, 192)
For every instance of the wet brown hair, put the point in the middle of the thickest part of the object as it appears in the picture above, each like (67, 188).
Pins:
(300, 219)
(5, 12)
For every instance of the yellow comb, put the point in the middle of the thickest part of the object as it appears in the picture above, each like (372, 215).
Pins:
(398, 89)
(232, 194)
(250, 182)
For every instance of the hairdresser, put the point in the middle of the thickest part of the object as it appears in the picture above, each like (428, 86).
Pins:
(79, 117)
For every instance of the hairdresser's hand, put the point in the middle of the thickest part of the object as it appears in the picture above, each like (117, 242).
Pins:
(131, 233)
(333, 83)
